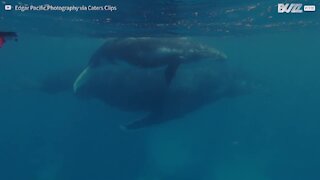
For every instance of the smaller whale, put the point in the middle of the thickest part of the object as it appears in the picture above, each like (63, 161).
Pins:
(5, 36)
(147, 52)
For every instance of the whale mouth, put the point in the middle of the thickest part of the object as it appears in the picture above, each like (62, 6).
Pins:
(81, 79)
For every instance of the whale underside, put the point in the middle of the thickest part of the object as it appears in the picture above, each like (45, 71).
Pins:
(130, 88)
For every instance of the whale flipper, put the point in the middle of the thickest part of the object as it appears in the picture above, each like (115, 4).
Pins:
(171, 71)
(149, 120)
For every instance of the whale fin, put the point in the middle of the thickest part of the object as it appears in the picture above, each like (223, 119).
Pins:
(171, 71)
(149, 120)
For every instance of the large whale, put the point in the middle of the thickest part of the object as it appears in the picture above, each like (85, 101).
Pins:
(147, 52)
(142, 89)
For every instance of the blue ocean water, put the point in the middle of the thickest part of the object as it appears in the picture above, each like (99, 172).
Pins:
(269, 134)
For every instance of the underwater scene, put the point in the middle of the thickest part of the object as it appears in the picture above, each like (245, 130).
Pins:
(159, 90)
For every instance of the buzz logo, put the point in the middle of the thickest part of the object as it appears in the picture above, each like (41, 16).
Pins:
(289, 8)
(295, 8)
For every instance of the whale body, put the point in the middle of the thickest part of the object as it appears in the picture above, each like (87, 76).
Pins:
(130, 88)
(152, 52)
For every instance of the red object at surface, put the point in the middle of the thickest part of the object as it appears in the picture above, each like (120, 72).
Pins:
(2, 41)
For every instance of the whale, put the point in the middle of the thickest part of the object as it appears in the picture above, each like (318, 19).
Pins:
(134, 89)
(153, 52)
